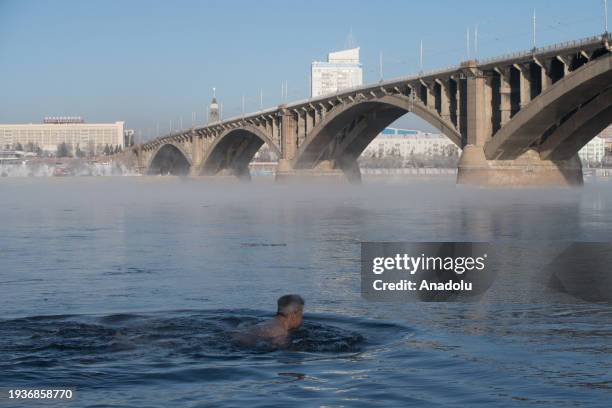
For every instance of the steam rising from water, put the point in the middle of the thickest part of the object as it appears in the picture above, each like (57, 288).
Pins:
(77, 169)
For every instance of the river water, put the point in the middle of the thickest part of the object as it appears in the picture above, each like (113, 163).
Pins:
(126, 290)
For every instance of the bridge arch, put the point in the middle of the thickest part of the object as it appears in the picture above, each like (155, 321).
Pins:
(171, 159)
(567, 138)
(234, 149)
(349, 128)
(562, 119)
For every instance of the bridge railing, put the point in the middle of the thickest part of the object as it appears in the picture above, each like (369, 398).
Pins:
(365, 88)
(545, 49)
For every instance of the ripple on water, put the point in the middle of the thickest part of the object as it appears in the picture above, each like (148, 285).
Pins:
(161, 346)
(128, 271)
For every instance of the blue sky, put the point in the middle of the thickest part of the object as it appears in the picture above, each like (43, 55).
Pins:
(149, 62)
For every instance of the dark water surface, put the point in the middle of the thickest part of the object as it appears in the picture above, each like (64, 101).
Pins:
(128, 290)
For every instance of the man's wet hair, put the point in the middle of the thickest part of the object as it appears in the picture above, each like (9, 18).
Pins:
(289, 304)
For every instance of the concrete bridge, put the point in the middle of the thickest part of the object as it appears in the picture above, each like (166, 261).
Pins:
(520, 120)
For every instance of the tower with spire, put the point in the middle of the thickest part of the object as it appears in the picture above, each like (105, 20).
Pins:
(213, 111)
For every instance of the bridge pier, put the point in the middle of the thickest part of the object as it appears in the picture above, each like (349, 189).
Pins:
(526, 170)
(324, 171)
(195, 170)
(291, 133)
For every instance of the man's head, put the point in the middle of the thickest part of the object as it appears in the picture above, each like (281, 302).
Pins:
(291, 308)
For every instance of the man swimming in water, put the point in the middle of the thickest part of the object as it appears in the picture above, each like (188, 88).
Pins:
(289, 316)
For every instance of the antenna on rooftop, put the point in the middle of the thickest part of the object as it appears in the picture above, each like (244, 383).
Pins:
(350, 40)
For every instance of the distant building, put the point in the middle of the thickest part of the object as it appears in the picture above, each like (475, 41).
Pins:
(341, 71)
(406, 143)
(593, 152)
(57, 130)
(265, 154)
(606, 135)
(213, 111)
(128, 137)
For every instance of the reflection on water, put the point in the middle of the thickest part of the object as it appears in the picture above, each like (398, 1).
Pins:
(127, 289)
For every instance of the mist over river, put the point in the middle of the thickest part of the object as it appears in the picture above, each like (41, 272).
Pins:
(126, 289)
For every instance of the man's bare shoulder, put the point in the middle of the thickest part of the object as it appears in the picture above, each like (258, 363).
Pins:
(270, 328)
(270, 331)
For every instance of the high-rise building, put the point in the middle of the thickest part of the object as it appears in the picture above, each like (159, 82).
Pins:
(341, 71)
(213, 110)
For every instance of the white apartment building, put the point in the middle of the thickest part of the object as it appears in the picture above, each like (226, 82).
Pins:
(606, 135)
(404, 143)
(57, 130)
(341, 71)
(594, 151)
